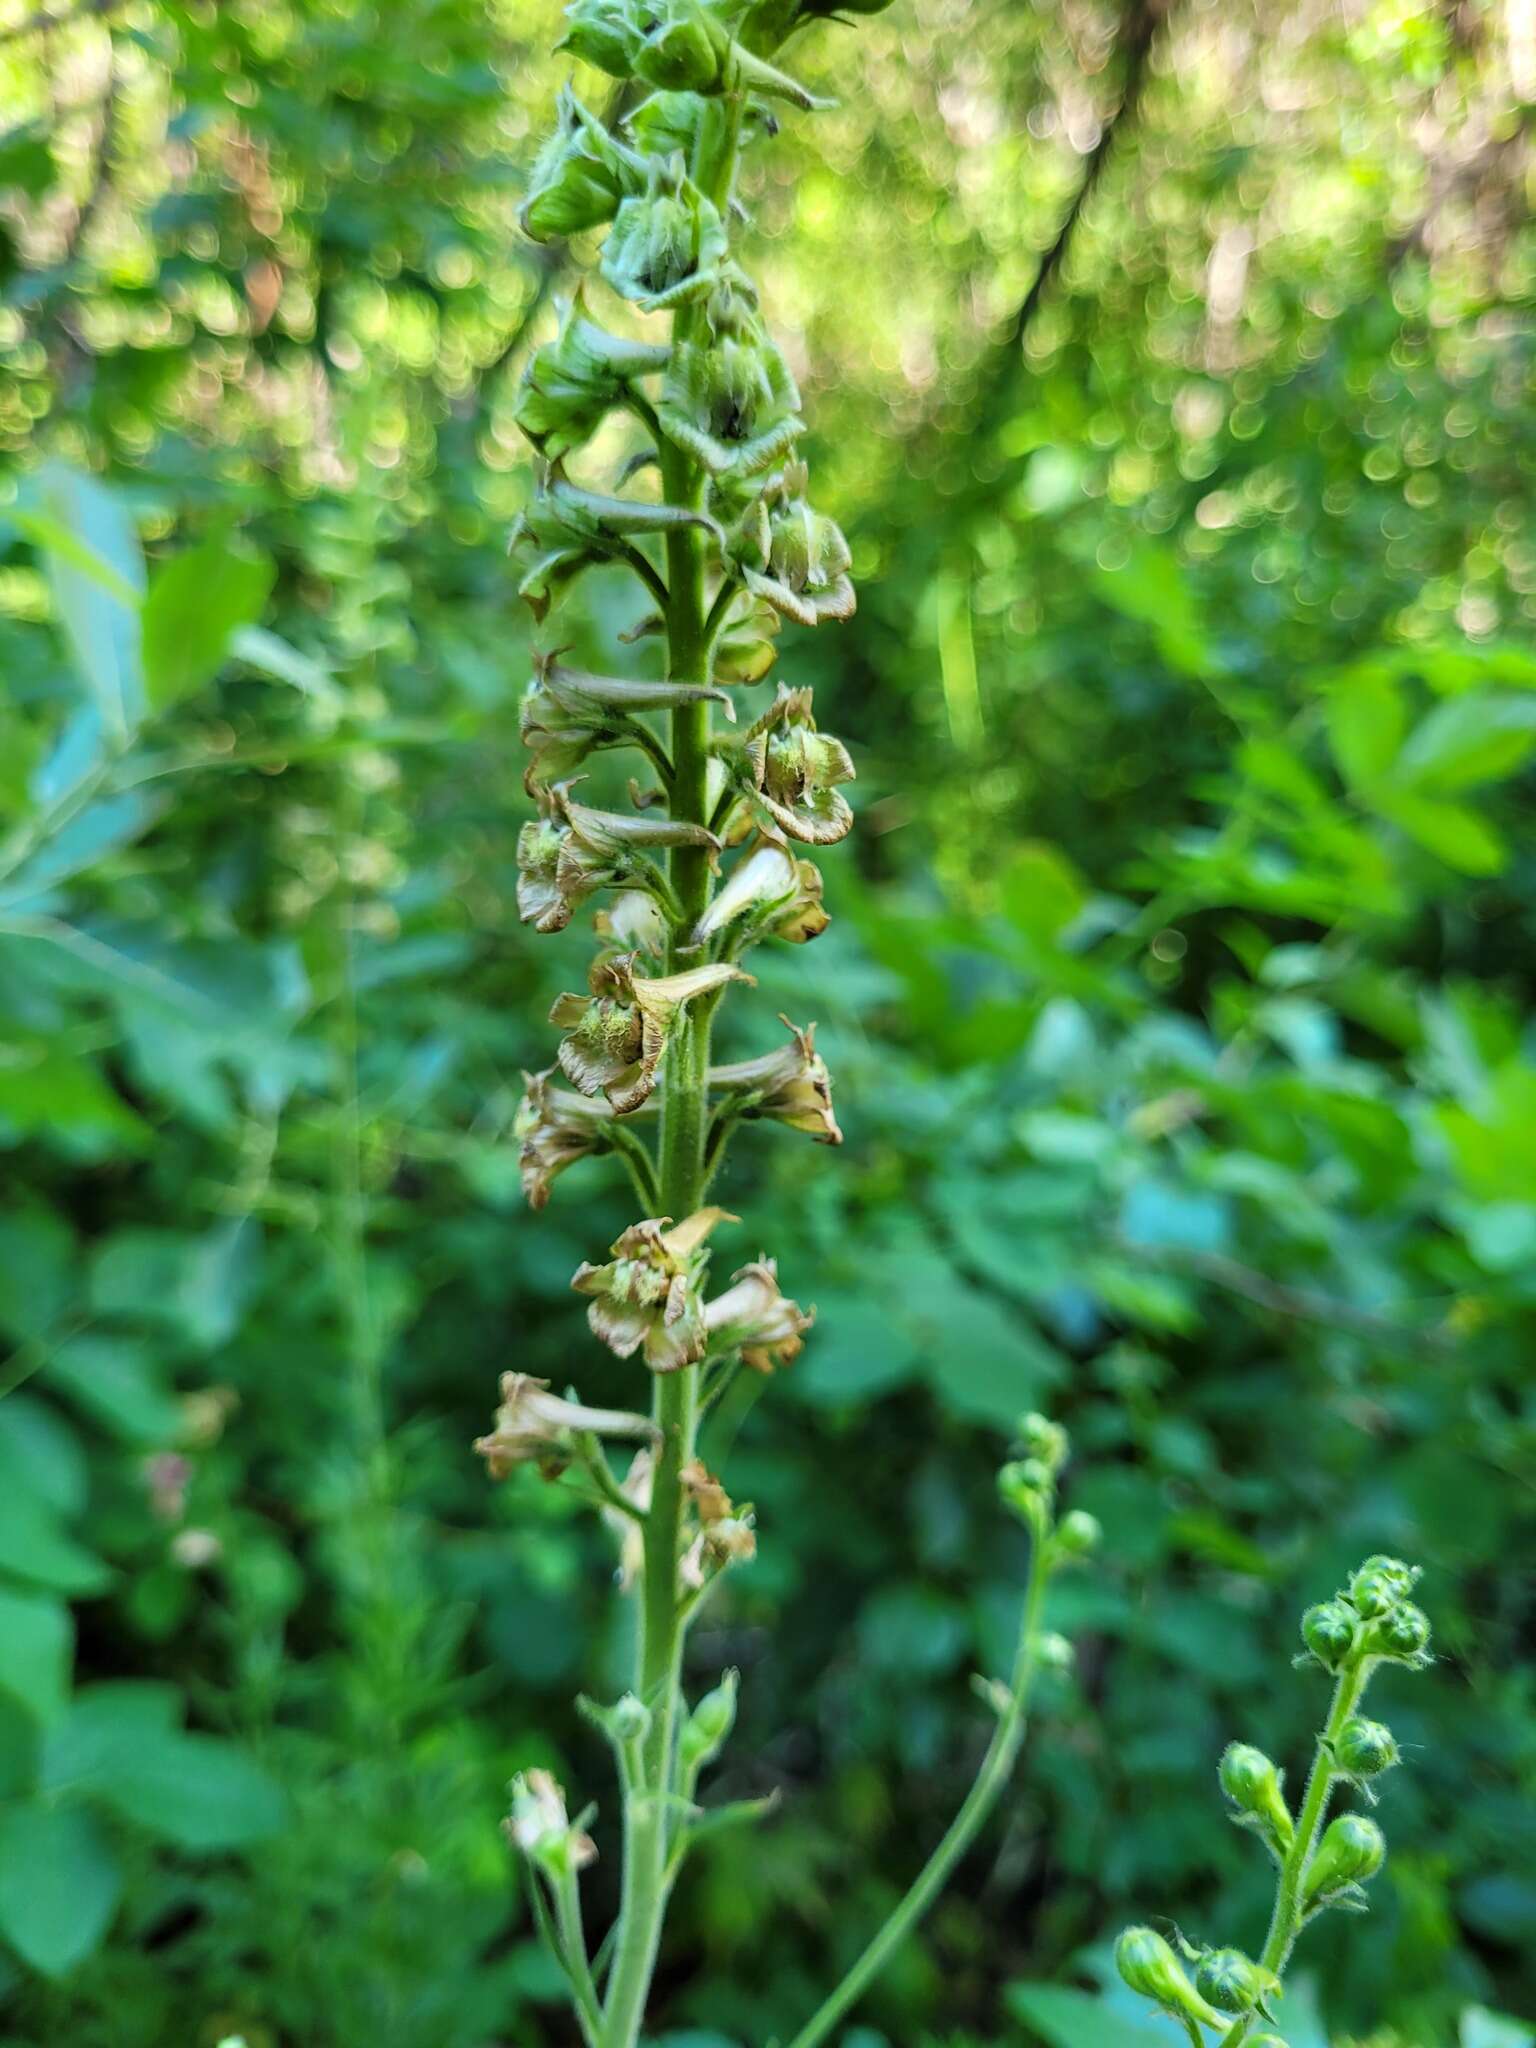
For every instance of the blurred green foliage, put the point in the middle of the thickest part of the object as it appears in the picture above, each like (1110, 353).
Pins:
(1178, 996)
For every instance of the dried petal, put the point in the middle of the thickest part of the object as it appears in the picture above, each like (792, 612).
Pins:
(793, 771)
(753, 1317)
(615, 1037)
(646, 1298)
(533, 1424)
(555, 1127)
(791, 1085)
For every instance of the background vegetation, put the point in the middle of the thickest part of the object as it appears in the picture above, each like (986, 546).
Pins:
(1172, 372)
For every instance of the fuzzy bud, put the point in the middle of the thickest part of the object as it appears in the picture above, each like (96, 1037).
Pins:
(630, 1719)
(1252, 1783)
(539, 1826)
(667, 243)
(707, 1727)
(1364, 1749)
(1026, 1486)
(1329, 1631)
(1078, 1534)
(1352, 1850)
(1232, 1982)
(1400, 1635)
(1149, 1966)
(1041, 1438)
(1379, 1584)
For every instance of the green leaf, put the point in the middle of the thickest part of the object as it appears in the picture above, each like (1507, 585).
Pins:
(855, 1354)
(102, 1732)
(197, 602)
(35, 1253)
(196, 1285)
(96, 570)
(1074, 2019)
(1483, 2029)
(1451, 832)
(1367, 718)
(112, 1379)
(59, 1885)
(1041, 892)
(33, 1546)
(271, 655)
(198, 1792)
(37, 1649)
(1471, 739)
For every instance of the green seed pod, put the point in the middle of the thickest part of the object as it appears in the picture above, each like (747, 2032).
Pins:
(1232, 1982)
(1044, 1439)
(1252, 1783)
(1078, 1534)
(1401, 1634)
(1364, 1749)
(1329, 1632)
(1352, 1850)
(1379, 1584)
(1149, 1966)
(706, 1728)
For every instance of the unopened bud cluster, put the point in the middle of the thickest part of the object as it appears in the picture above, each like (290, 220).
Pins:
(1370, 1622)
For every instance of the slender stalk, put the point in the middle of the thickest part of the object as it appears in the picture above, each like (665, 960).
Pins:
(684, 1121)
(995, 1771)
(1285, 1922)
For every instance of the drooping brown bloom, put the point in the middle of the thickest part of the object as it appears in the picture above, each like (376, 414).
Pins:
(535, 1426)
(615, 1037)
(791, 1085)
(555, 1127)
(769, 894)
(792, 771)
(755, 1318)
(646, 1298)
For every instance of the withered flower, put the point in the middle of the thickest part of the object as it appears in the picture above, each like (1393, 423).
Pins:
(753, 1317)
(616, 1035)
(539, 1825)
(554, 1127)
(726, 1535)
(646, 1298)
(793, 557)
(633, 923)
(534, 1425)
(791, 1085)
(773, 894)
(792, 771)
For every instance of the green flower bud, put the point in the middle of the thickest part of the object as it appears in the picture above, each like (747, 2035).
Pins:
(1230, 1981)
(706, 1728)
(1379, 1584)
(731, 402)
(538, 1825)
(1044, 1439)
(1055, 1653)
(1149, 1966)
(792, 557)
(1364, 1749)
(630, 1719)
(1078, 1534)
(1252, 1783)
(1329, 1631)
(1026, 1485)
(1352, 1850)
(1401, 1634)
(572, 383)
(604, 33)
(688, 49)
(580, 176)
(667, 243)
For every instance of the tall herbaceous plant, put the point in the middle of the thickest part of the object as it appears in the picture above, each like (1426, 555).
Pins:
(709, 508)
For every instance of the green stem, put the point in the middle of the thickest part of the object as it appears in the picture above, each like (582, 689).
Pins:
(684, 1119)
(996, 1769)
(1285, 1921)
(573, 1940)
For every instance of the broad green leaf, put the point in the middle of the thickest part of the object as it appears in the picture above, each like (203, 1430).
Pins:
(1367, 718)
(197, 602)
(37, 1648)
(96, 569)
(1452, 832)
(197, 1285)
(1153, 588)
(39, 1450)
(99, 830)
(59, 1885)
(272, 656)
(1468, 740)
(1041, 892)
(47, 1090)
(197, 1791)
(36, 1249)
(113, 1380)
(97, 1739)
(1074, 2019)
(35, 1547)
(858, 1354)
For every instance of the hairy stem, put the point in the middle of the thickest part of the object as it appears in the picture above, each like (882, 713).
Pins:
(996, 1769)
(681, 1178)
(1285, 1922)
